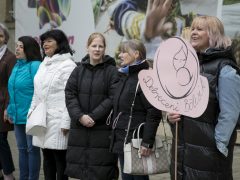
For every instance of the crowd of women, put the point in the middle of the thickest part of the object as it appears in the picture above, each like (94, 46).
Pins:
(89, 104)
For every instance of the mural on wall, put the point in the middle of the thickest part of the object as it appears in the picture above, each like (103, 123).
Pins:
(75, 18)
(53, 12)
(149, 21)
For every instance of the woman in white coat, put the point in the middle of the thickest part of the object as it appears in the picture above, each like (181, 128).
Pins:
(49, 85)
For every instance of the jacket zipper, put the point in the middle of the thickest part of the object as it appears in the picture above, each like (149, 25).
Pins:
(14, 92)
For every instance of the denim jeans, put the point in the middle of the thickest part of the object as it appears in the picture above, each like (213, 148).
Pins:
(129, 176)
(6, 160)
(29, 155)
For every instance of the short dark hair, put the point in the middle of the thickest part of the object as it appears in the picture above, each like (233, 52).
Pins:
(31, 48)
(61, 39)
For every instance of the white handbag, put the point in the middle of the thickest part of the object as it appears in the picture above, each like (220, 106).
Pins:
(156, 163)
(36, 120)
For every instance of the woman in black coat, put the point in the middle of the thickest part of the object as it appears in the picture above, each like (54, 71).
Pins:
(132, 54)
(89, 92)
(206, 143)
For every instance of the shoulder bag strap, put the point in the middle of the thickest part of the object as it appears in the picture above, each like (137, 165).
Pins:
(130, 116)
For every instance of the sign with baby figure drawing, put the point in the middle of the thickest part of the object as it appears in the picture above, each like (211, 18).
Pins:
(175, 84)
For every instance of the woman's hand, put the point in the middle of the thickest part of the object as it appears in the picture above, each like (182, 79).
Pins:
(173, 117)
(145, 151)
(87, 121)
(157, 11)
(6, 118)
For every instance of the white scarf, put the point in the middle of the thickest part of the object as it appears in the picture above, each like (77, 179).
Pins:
(2, 50)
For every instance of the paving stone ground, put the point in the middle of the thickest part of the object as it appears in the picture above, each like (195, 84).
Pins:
(166, 176)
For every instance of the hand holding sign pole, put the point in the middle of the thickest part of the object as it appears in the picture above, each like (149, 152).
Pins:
(175, 84)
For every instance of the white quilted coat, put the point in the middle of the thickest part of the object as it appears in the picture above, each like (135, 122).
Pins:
(49, 85)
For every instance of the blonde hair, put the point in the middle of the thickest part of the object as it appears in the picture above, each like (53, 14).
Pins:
(96, 35)
(215, 29)
(134, 45)
(186, 33)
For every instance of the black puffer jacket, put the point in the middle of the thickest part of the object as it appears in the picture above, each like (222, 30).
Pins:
(143, 111)
(198, 156)
(89, 90)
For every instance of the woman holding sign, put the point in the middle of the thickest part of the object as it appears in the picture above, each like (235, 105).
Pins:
(132, 56)
(205, 144)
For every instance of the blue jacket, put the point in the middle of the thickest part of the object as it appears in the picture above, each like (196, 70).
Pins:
(229, 102)
(20, 89)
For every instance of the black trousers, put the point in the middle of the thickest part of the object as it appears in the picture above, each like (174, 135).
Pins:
(54, 164)
(6, 161)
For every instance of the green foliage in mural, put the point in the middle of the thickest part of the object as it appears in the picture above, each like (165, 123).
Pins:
(228, 2)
